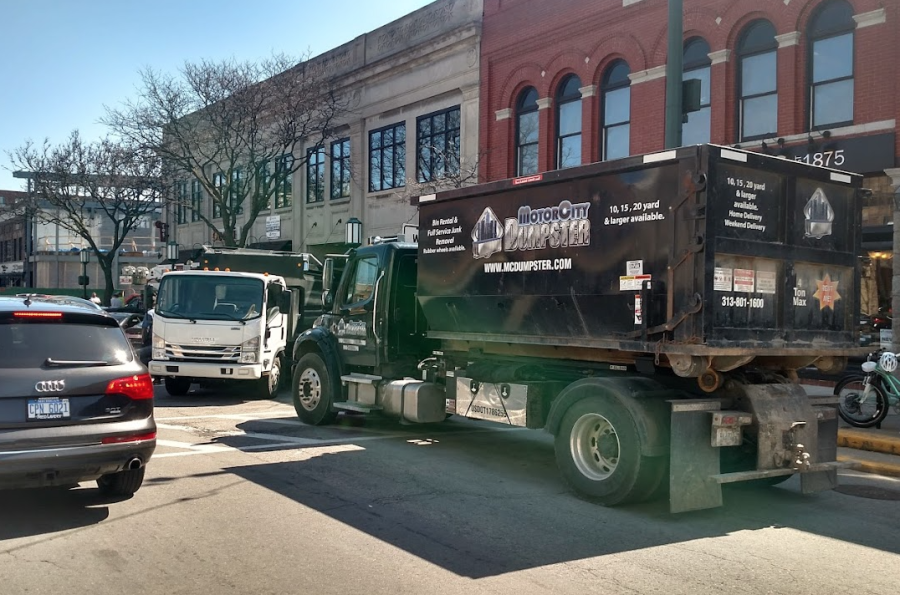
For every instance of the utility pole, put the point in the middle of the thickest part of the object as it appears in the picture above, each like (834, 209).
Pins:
(674, 114)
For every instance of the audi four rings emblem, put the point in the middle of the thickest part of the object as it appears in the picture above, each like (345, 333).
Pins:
(50, 386)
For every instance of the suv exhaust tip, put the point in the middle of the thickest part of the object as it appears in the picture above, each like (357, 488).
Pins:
(134, 463)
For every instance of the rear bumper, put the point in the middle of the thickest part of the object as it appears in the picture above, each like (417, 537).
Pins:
(58, 466)
(201, 370)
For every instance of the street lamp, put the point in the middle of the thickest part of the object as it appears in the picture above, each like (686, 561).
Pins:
(85, 257)
(172, 253)
(354, 231)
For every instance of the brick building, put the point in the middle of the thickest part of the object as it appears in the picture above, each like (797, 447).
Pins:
(578, 81)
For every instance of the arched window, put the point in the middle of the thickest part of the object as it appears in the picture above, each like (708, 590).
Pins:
(831, 65)
(757, 81)
(696, 64)
(527, 132)
(568, 122)
(615, 104)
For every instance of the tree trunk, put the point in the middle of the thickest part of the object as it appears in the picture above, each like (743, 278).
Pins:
(106, 267)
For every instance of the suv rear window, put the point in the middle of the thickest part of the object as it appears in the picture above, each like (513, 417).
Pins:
(29, 345)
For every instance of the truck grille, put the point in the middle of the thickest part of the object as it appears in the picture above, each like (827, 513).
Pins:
(203, 353)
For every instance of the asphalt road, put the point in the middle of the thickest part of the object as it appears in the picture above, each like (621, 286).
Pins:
(242, 498)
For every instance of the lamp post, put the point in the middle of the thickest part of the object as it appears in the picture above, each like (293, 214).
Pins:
(354, 231)
(85, 257)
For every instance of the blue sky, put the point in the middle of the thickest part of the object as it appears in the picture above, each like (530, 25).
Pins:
(61, 61)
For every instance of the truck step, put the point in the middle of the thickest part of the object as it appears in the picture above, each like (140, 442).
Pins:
(356, 407)
(360, 378)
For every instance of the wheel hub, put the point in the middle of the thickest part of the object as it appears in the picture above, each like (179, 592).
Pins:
(310, 389)
(595, 446)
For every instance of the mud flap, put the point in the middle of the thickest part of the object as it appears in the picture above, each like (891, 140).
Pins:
(693, 462)
(826, 447)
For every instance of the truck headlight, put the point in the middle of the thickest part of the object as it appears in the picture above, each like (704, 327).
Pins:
(250, 351)
(159, 348)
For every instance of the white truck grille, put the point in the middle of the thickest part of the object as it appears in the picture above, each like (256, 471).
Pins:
(203, 353)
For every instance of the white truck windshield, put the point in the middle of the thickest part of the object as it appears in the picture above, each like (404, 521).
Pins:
(209, 297)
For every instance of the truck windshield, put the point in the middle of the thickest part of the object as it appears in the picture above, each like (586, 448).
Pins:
(209, 297)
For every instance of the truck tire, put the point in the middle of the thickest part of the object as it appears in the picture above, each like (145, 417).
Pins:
(177, 386)
(598, 452)
(314, 391)
(267, 386)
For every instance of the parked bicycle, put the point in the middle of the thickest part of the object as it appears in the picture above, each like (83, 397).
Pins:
(865, 399)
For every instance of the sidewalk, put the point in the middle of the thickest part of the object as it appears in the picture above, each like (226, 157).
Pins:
(874, 450)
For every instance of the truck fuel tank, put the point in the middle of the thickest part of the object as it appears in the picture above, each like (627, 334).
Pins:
(415, 401)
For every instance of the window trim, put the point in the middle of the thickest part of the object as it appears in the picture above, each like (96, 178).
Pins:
(343, 166)
(699, 63)
(315, 164)
(519, 112)
(605, 88)
(396, 158)
(739, 87)
(432, 160)
(813, 35)
(561, 100)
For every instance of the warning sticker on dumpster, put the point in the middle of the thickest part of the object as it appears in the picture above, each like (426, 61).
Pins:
(765, 282)
(744, 280)
(632, 282)
(722, 279)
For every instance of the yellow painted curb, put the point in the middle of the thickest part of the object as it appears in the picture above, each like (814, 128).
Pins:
(861, 440)
(872, 467)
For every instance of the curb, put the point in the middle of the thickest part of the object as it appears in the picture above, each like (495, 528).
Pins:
(869, 441)
(872, 466)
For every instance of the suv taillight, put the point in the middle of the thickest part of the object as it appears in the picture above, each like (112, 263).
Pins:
(139, 386)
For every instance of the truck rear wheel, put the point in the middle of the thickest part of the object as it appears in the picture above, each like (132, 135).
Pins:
(177, 386)
(314, 391)
(598, 452)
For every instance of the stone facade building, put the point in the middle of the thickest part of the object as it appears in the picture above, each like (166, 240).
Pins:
(413, 86)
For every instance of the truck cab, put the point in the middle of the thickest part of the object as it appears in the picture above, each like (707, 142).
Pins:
(373, 327)
(220, 326)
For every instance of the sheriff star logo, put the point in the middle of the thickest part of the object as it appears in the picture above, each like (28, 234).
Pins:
(827, 292)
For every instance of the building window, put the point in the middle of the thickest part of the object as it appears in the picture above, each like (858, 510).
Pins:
(616, 109)
(196, 199)
(831, 65)
(437, 145)
(181, 199)
(527, 128)
(696, 65)
(568, 123)
(340, 168)
(236, 191)
(284, 185)
(219, 185)
(315, 175)
(387, 158)
(757, 82)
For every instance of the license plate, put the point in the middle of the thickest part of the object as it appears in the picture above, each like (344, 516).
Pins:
(48, 408)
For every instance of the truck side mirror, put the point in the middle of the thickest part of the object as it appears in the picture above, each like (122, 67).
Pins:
(284, 303)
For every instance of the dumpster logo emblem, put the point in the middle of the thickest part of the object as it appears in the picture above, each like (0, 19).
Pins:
(827, 292)
(819, 215)
(487, 236)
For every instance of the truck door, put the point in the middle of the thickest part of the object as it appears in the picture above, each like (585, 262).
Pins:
(405, 323)
(356, 305)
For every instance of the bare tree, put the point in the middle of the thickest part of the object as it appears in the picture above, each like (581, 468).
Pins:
(75, 184)
(236, 127)
(440, 169)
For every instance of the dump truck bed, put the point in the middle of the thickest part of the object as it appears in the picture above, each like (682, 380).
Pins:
(703, 250)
